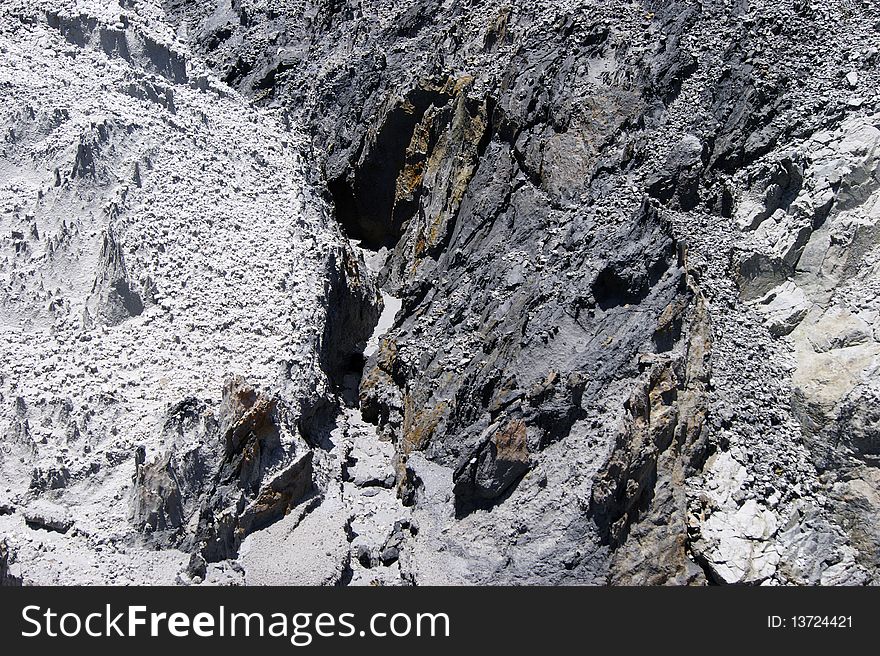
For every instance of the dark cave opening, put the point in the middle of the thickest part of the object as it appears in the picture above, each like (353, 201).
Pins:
(370, 204)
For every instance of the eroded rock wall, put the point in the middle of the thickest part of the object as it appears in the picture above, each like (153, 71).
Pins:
(633, 245)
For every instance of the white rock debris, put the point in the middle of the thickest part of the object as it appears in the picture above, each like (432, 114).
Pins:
(159, 238)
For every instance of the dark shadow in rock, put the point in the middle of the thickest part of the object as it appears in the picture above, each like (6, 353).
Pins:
(614, 287)
(365, 196)
(317, 421)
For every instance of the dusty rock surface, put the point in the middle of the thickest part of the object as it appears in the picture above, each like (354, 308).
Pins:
(330, 292)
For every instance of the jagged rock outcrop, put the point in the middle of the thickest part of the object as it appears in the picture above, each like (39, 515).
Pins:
(113, 299)
(7, 578)
(621, 257)
(120, 39)
(640, 498)
(259, 476)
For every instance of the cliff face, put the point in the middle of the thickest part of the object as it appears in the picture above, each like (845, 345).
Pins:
(632, 244)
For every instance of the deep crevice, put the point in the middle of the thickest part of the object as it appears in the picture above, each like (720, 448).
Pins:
(365, 196)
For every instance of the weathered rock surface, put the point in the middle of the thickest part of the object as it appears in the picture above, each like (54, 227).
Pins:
(627, 255)
(177, 311)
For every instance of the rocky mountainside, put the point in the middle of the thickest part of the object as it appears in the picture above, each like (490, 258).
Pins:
(340, 292)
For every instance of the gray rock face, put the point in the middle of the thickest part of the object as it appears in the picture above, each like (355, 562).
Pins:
(485, 165)
(633, 247)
